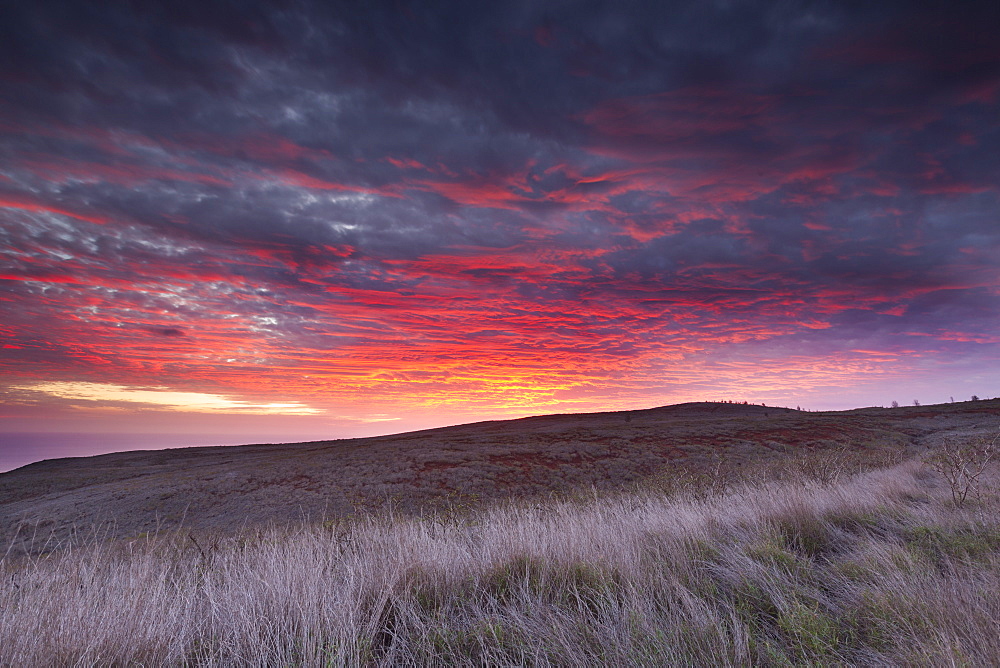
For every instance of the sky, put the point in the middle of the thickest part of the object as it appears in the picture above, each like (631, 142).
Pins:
(289, 220)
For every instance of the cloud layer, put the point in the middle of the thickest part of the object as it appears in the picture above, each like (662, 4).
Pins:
(383, 209)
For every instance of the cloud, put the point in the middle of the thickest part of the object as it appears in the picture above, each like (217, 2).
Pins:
(504, 205)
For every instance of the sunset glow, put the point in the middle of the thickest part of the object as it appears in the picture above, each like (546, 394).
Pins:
(111, 396)
(348, 220)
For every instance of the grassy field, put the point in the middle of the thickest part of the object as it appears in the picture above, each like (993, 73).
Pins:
(222, 489)
(835, 561)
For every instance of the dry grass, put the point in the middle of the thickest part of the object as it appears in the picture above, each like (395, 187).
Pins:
(879, 568)
(132, 493)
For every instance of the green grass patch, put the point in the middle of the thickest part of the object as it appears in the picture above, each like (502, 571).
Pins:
(810, 633)
(806, 535)
(939, 544)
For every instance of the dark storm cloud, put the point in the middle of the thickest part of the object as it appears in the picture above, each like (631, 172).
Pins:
(479, 180)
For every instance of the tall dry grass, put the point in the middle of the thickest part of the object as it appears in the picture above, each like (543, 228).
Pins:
(877, 569)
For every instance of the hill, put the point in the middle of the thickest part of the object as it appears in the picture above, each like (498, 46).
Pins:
(224, 488)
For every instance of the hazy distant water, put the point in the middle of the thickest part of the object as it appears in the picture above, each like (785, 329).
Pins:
(18, 449)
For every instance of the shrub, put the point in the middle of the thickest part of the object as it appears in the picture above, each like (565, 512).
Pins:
(963, 465)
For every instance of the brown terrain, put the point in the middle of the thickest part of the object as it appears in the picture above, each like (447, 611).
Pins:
(128, 494)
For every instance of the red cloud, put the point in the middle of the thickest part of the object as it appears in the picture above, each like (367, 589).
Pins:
(24, 204)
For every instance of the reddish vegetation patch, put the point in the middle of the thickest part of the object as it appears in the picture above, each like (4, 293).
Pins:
(797, 436)
(430, 467)
(529, 460)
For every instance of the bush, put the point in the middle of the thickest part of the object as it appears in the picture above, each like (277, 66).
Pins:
(963, 465)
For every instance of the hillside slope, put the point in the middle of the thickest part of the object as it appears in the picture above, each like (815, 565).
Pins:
(227, 487)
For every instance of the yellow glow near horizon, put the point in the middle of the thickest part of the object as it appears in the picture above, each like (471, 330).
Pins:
(165, 398)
